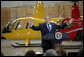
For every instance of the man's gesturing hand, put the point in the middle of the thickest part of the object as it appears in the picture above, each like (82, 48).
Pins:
(71, 20)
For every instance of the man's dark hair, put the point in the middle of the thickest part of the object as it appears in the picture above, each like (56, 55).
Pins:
(61, 52)
(50, 52)
(30, 53)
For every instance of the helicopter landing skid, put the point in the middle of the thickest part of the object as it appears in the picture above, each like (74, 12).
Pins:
(23, 45)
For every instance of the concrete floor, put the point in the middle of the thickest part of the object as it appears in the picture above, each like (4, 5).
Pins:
(8, 50)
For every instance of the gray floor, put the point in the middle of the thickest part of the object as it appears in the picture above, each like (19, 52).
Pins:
(8, 50)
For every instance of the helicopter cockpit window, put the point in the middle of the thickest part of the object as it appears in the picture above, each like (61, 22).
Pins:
(9, 27)
(12, 26)
(21, 24)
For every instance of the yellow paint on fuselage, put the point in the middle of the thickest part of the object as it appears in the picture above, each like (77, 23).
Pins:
(27, 33)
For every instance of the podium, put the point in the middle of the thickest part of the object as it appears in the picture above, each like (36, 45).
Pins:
(51, 36)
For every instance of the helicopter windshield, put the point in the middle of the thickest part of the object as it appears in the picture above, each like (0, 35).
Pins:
(9, 26)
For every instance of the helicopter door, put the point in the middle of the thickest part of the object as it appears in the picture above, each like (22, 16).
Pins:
(20, 31)
(20, 25)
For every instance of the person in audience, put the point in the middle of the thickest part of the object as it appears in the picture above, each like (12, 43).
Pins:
(30, 53)
(61, 52)
(50, 52)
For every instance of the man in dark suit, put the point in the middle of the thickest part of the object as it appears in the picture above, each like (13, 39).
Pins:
(46, 28)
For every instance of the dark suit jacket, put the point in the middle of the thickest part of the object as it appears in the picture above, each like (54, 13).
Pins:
(44, 30)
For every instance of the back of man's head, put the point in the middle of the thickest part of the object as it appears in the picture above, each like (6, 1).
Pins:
(30, 53)
(50, 52)
(61, 52)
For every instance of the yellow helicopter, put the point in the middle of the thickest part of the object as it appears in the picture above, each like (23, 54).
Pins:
(19, 29)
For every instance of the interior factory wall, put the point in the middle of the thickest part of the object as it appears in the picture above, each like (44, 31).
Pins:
(28, 3)
(12, 11)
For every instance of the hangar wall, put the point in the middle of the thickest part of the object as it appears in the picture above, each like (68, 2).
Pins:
(8, 13)
(28, 3)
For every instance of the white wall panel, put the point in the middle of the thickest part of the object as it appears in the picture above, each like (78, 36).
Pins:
(27, 3)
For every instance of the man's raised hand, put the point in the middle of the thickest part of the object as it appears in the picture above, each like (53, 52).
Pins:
(71, 20)
(31, 22)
